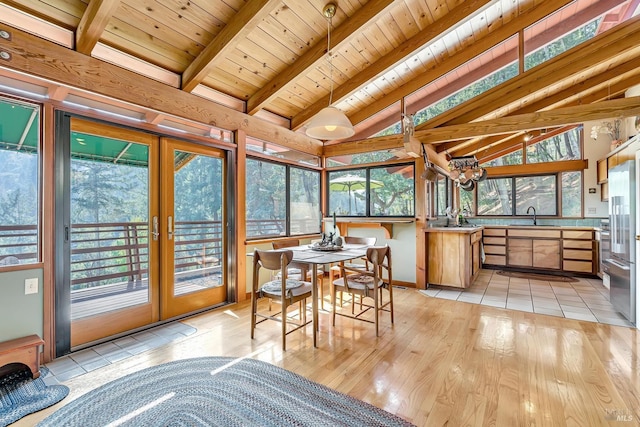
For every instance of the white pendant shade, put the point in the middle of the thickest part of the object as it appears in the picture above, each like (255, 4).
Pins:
(329, 124)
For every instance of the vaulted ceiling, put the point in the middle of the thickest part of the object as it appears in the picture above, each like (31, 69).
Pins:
(268, 58)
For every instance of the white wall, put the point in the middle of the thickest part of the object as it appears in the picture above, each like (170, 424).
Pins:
(594, 150)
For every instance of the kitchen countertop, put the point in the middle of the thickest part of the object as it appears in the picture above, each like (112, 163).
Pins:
(462, 230)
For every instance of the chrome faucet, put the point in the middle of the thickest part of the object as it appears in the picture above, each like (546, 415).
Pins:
(534, 213)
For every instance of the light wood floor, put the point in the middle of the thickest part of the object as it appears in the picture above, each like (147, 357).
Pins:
(442, 363)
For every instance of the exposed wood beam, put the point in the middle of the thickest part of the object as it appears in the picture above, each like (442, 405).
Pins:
(312, 58)
(459, 58)
(393, 58)
(245, 21)
(522, 122)
(601, 48)
(36, 56)
(577, 94)
(537, 168)
(630, 72)
(538, 120)
(380, 143)
(509, 144)
(516, 53)
(93, 22)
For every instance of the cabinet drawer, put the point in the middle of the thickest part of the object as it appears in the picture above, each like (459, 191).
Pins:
(475, 237)
(495, 250)
(577, 254)
(534, 233)
(580, 266)
(577, 244)
(495, 231)
(494, 260)
(577, 234)
(520, 244)
(494, 240)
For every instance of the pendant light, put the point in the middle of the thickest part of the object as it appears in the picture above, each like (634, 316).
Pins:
(330, 123)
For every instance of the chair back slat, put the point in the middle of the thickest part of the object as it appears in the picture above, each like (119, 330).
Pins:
(272, 260)
(369, 241)
(288, 243)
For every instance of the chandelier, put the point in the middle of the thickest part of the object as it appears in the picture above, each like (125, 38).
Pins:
(465, 171)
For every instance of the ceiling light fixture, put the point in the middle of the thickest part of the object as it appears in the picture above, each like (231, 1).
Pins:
(330, 123)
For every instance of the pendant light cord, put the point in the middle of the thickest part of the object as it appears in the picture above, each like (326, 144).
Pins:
(329, 59)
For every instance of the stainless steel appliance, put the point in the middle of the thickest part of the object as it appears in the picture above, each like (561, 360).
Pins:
(620, 265)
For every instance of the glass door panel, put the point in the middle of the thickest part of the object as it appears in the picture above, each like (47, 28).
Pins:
(193, 216)
(112, 252)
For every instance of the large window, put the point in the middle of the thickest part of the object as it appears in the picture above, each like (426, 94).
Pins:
(281, 200)
(514, 195)
(374, 191)
(20, 178)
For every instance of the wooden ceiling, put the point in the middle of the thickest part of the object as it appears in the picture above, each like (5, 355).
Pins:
(268, 57)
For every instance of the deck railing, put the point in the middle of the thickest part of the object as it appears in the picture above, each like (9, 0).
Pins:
(117, 252)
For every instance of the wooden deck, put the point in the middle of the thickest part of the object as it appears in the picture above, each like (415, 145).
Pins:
(100, 299)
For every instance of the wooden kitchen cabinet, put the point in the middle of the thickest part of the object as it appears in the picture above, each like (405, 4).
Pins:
(546, 254)
(534, 248)
(520, 252)
(602, 171)
(495, 246)
(579, 251)
(453, 256)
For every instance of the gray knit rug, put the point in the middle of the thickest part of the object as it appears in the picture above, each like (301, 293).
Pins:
(217, 391)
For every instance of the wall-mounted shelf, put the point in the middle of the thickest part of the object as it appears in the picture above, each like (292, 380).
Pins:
(367, 222)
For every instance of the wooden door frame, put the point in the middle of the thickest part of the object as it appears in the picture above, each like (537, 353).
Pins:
(173, 306)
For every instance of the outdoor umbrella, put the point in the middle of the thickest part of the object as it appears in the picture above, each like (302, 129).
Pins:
(350, 183)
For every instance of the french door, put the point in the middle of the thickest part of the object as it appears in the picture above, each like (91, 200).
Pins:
(141, 234)
(192, 232)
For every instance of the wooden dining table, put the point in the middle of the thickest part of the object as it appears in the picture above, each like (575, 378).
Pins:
(306, 254)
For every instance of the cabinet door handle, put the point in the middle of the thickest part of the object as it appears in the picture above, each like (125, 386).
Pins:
(170, 228)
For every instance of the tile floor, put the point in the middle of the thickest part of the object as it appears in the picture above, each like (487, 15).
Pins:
(83, 361)
(587, 299)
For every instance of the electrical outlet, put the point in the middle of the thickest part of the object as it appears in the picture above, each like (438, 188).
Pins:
(31, 286)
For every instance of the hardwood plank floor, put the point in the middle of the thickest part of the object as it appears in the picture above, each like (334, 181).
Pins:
(442, 363)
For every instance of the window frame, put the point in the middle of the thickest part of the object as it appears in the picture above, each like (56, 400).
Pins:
(288, 168)
(558, 196)
(39, 257)
(367, 170)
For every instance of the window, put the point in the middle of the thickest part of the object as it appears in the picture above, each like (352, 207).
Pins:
(537, 191)
(513, 196)
(20, 177)
(281, 200)
(538, 49)
(442, 194)
(495, 197)
(360, 158)
(375, 191)
(571, 183)
(564, 146)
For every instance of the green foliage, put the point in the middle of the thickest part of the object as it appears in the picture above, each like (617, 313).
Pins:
(198, 190)
(108, 192)
(555, 48)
